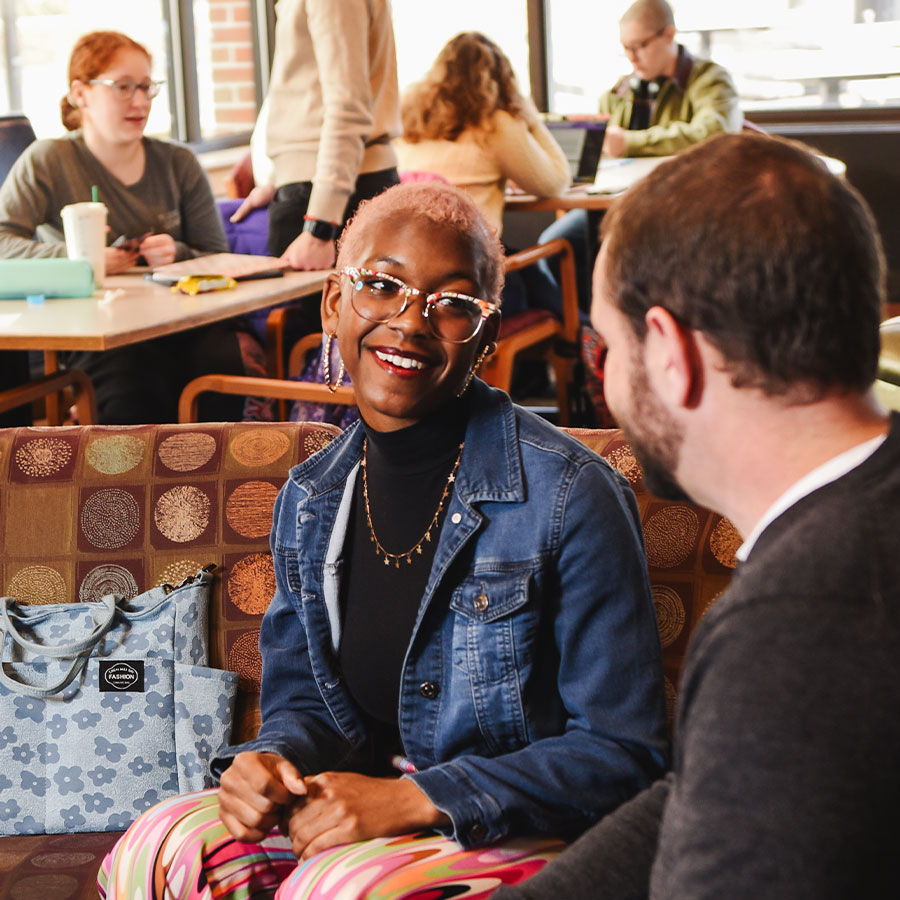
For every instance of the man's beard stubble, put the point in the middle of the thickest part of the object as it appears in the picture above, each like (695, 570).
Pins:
(654, 436)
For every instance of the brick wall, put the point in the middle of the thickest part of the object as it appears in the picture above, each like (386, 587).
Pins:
(234, 93)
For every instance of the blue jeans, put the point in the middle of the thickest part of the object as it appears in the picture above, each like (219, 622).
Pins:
(576, 227)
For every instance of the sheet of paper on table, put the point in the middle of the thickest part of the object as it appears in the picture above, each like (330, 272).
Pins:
(617, 175)
(239, 266)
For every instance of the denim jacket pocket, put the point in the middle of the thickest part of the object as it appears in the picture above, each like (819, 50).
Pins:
(492, 644)
(291, 566)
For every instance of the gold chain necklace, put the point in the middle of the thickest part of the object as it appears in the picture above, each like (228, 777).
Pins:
(417, 548)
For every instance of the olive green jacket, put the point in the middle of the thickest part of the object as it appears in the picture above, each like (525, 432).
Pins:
(699, 101)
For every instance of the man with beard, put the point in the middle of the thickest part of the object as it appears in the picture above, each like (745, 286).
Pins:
(739, 290)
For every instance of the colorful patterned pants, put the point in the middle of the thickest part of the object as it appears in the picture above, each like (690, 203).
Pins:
(179, 850)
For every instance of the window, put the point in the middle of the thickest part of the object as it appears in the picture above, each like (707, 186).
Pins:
(226, 72)
(503, 21)
(209, 52)
(37, 39)
(783, 54)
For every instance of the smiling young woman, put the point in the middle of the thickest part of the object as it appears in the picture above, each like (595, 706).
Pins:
(459, 589)
(160, 209)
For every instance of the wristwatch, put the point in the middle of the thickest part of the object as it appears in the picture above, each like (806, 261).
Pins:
(318, 228)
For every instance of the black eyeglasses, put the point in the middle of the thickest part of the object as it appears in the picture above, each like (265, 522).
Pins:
(637, 46)
(452, 317)
(124, 88)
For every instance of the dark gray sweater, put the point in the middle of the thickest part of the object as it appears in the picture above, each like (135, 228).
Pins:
(173, 196)
(786, 779)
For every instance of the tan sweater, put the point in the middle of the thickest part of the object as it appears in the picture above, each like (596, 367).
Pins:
(481, 160)
(333, 98)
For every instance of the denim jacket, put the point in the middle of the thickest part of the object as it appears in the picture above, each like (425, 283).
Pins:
(531, 695)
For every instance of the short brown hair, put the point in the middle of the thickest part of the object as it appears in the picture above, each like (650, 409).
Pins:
(752, 241)
(441, 204)
(90, 56)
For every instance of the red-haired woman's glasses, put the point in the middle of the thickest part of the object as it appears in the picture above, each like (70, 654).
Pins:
(452, 317)
(123, 88)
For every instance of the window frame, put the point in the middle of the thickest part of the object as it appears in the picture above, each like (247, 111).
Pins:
(881, 118)
(184, 95)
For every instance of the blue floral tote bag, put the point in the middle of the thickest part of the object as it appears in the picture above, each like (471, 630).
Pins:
(107, 707)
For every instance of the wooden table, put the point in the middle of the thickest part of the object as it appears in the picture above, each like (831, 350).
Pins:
(129, 308)
(576, 197)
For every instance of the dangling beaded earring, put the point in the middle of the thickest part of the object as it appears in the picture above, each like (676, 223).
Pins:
(489, 348)
(326, 365)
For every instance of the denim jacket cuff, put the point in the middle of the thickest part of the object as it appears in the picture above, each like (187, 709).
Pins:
(222, 760)
(476, 818)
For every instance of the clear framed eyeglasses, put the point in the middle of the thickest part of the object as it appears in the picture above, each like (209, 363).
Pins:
(123, 88)
(453, 317)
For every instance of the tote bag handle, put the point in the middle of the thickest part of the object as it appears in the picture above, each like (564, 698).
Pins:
(80, 650)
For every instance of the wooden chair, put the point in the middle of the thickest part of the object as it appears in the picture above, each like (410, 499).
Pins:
(16, 134)
(74, 381)
(276, 388)
(533, 332)
(537, 332)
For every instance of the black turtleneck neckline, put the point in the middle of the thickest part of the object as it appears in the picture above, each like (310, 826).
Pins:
(407, 470)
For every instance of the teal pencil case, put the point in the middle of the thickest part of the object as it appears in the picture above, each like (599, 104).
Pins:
(21, 278)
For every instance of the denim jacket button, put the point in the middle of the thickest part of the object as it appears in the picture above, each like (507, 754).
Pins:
(429, 689)
(482, 602)
(478, 832)
(456, 518)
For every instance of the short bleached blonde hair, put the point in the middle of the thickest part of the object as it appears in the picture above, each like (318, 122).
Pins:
(440, 204)
(655, 14)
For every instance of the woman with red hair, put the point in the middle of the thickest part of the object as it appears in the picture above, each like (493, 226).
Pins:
(160, 209)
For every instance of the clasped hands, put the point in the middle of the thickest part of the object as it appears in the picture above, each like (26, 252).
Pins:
(263, 791)
(157, 250)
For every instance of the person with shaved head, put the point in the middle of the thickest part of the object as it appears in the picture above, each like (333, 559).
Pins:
(671, 100)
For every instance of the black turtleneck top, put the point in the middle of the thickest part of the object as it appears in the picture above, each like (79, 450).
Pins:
(407, 471)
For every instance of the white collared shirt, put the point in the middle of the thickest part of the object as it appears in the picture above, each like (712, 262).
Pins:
(824, 474)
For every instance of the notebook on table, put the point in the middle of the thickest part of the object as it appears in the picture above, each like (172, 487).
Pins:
(239, 266)
(617, 175)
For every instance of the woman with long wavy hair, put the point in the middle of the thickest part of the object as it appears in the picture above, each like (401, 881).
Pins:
(468, 121)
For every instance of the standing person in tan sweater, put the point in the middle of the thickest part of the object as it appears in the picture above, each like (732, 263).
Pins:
(333, 109)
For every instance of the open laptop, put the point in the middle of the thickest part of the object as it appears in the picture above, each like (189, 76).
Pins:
(581, 141)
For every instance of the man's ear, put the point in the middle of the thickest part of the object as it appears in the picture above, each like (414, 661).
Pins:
(671, 357)
(331, 302)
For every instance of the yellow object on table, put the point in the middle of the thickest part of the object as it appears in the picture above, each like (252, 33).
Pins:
(200, 284)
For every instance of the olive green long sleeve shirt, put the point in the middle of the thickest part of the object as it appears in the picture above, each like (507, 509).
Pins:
(699, 101)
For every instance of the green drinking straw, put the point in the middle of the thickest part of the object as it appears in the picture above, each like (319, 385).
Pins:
(95, 194)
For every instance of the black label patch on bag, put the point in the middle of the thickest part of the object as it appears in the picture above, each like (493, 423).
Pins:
(122, 675)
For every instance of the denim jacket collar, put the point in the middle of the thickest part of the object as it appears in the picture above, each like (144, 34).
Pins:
(491, 468)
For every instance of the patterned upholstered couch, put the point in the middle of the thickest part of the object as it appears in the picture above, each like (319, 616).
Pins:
(94, 509)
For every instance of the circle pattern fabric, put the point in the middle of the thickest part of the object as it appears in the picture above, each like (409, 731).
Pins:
(110, 518)
(182, 513)
(115, 454)
(187, 452)
(42, 457)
